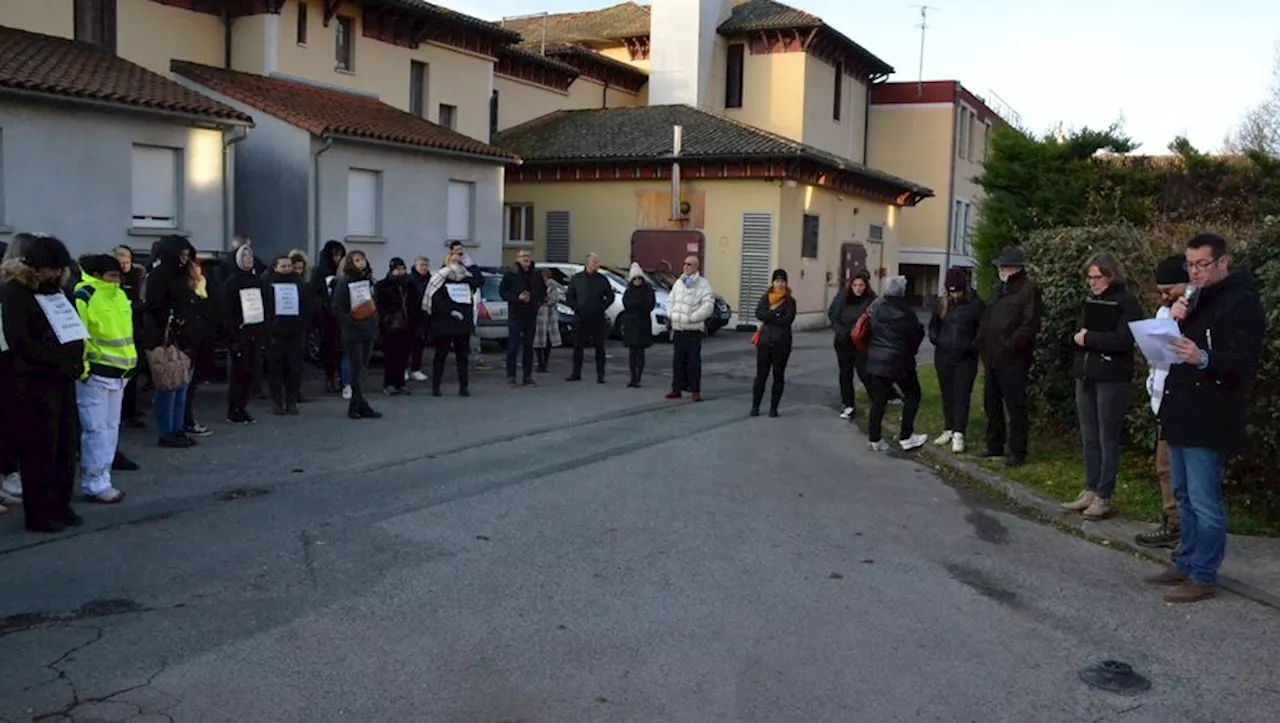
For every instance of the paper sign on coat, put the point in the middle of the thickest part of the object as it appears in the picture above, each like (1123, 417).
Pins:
(459, 293)
(62, 316)
(361, 293)
(251, 308)
(286, 296)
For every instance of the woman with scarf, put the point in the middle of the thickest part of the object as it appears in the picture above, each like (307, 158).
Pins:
(546, 332)
(320, 287)
(776, 312)
(357, 314)
(392, 295)
(172, 319)
(843, 314)
(448, 303)
(637, 328)
(419, 277)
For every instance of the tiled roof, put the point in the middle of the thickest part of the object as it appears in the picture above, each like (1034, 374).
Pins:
(35, 63)
(624, 20)
(530, 56)
(572, 50)
(621, 135)
(323, 111)
(751, 15)
(451, 16)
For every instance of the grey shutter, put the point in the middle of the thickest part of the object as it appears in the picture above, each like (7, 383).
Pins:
(757, 251)
(558, 236)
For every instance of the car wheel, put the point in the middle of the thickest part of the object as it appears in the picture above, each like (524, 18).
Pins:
(314, 342)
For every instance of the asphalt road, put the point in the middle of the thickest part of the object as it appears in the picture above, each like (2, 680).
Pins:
(592, 553)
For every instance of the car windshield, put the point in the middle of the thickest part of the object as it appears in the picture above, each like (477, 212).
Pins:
(491, 291)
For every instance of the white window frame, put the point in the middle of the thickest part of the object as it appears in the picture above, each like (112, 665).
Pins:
(460, 223)
(967, 228)
(957, 218)
(521, 238)
(156, 196)
(364, 224)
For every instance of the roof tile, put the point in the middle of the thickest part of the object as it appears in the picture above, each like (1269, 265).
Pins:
(614, 23)
(634, 134)
(324, 111)
(36, 63)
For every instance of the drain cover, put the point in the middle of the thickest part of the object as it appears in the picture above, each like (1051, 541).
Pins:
(1114, 676)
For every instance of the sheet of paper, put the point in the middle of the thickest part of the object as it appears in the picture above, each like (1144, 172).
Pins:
(251, 309)
(62, 317)
(286, 296)
(459, 293)
(361, 293)
(1155, 338)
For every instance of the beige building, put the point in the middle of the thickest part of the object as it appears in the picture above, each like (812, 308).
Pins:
(772, 105)
(937, 133)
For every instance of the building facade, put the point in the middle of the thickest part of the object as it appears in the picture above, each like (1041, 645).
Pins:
(936, 132)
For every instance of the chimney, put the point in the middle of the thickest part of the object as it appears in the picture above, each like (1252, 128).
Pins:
(682, 48)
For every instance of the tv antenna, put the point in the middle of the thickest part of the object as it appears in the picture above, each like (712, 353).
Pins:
(924, 25)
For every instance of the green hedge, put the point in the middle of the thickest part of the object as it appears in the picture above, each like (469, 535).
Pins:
(1055, 262)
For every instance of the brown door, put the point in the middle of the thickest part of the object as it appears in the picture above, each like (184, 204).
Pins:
(666, 250)
(853, 258)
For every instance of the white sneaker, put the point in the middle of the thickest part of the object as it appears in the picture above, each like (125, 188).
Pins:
(944, 438)
(847, 413)
(957, 443)
(12, 485)
(916, 440)
(346, 392)
(881, 446)
(418, 377)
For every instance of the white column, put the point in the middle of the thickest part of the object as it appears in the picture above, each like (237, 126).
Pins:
(271, 43)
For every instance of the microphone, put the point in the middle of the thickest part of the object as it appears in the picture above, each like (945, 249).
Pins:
(1190, 295)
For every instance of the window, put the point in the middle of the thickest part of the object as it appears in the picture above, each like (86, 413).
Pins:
(558, 236)
(957, 218)
(966, 228)
(155, 186)
(964, 119)
(461, 209)
(343, 40)
(519, 224)
(838, 92)
(986, 140)
(95, 23)
(972, 140)
(364, 195)
(733, 76)
(876, 233)
(302, 22)
(493, 115)
(418, 73)
(809, 238)
(448, 116)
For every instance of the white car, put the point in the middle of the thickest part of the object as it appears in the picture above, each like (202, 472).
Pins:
(658, 319)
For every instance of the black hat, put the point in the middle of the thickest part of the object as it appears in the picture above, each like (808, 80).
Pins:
(1011, 257)
(44, 252)
(957, 279)
(779, 274)
(1172, 270)
(397, 263)
(99, 264)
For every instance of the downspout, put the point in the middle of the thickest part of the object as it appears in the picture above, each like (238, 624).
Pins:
(951, 190)
(315, 192)
(604, 96)
(226, 37)
(228, 185)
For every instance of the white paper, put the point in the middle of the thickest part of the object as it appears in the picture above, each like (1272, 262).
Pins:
(1155, 338)
(62, 317)
(459, 293)
(286, 296)
(361, 293)
(251, 309)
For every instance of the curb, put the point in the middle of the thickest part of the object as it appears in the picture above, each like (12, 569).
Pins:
(1048, 512)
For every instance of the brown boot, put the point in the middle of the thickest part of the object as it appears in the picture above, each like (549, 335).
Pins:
(1167, 576)
(1080, 503)
(1189, 592)
(1099, 509)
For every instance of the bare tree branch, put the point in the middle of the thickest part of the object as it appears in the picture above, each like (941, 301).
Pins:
(1259, 130)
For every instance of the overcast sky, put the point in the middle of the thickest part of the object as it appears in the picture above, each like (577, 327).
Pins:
(1169, 67)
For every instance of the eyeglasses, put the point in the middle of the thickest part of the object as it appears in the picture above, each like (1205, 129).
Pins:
(1201, 265)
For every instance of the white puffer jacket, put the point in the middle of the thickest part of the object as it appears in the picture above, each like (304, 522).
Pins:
(690, 305)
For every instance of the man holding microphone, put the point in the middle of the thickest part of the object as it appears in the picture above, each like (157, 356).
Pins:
(1202, 414)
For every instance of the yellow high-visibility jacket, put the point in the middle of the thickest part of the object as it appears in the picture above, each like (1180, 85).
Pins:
(108, 315)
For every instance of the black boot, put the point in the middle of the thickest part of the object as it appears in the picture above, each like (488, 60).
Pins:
(353, 411)
(277, 406)
(366, 412)
(1166, 535)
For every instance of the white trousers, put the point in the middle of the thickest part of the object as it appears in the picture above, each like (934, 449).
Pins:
(98, 400)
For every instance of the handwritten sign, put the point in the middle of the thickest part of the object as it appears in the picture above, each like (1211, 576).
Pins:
(286, 296)
(459, 293)
(251, 309)
(62, 317)
(361, 293)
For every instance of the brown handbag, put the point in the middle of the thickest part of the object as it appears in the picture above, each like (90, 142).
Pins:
(170, 368)
(861, 334)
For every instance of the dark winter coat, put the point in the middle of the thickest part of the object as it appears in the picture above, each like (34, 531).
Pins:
(517, 281)
(775, 328)
(637, 315)
(1207, 407)
(241, 280)
(1108, 356)
(417, 288)
(844, 312)
(287, 326)
(168, 295)
(318, 284)
(1009, 326)
(353, 329)
(34, 356)
(589, 295)
(452, 318)
(392, 295)
(955, 333)
(896, 335)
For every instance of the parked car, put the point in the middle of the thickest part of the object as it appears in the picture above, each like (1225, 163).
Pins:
(563, 271)
(719, 318)
(492, 311)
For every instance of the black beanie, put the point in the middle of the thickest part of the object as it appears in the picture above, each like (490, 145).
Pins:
(1172, 270)
(397, 263)
(779, 274)
(40, 251)
(99, 264)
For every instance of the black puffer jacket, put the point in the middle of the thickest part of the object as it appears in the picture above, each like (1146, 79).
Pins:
(896, 335)
(516, 281)
(168, 295)
(1207, 407)
(250, 283)
(636, 317)
(955, 333)
(318, 284)
(1107, 356)
(844, 312)
(454, 318)
(293, 325)
(775, 329)
(353, 329)
(392, 296)
(1010, 324)
(589, 294)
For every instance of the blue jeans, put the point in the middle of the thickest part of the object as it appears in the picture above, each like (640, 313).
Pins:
(520, 340)
(171, 409)
(1196, 475)
(344, 371)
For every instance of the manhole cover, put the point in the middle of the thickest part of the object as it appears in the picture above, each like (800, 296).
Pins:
(240, 494)
(1114, 676)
